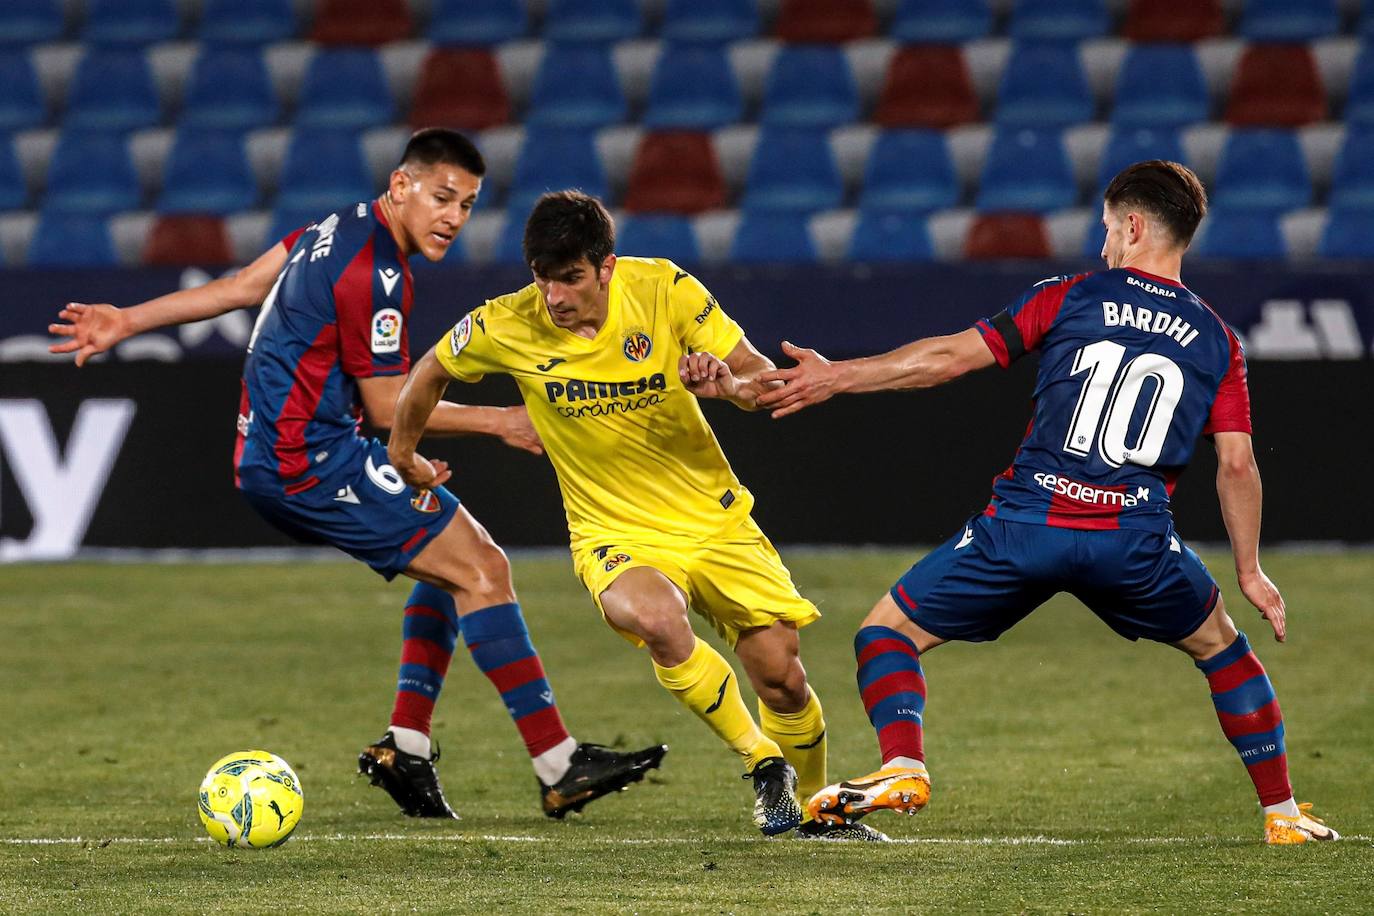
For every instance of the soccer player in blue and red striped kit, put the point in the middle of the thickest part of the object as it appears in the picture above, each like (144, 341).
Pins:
(1133, 368)
(331, 345)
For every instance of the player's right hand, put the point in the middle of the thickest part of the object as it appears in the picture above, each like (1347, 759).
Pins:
(93, 329)
(1264, 595)
(811, 381)
(422, 473)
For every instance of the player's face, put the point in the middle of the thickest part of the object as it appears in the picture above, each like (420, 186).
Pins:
(576, 294)
(433, 203)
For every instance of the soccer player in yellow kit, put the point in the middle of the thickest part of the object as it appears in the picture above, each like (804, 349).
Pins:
(611, 356)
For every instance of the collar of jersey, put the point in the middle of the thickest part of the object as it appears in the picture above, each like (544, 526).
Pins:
(1156, 279)
(603, 333)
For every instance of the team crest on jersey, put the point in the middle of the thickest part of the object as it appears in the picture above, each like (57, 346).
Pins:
(462, 333)
(613, 562)
(386, 331)
(637, 346)
(425, 501)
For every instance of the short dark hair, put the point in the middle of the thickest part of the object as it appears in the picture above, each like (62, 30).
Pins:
(434, 145)
(1168, 191)
(564, 227)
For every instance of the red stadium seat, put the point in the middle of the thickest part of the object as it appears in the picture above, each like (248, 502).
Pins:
(460, 87)
(361, 22)
(1007, 235)
(1276, 86)
(176, 241)
(675, 172)
(927, 86)
(1172, 21)
(826, 20)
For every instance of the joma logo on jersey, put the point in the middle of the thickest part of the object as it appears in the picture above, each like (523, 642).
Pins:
(637, 346)
(1087, 493)
(578, 390)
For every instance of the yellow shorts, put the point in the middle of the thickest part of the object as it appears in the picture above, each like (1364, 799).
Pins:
(736, 581)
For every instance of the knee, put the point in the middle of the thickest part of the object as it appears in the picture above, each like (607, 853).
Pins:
(782, 687)
(660, 623)
(485, 574)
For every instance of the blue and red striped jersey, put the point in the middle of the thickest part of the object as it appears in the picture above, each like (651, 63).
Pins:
(1133, 368)
(337, 313)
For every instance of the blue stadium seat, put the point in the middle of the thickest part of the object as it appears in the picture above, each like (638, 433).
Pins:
(1058, 20)
(1027, 170)
(923, 22)
(1289, 20)
(324, 171)
(658, 237)
(229, 89)
(509, 247)
(1043, 86)
(1352, 179)
(1262, 170)
(25, 22)
(1243, 235)
(112, 90)
(345, 89)
(91, 172)
(766, 238)
(207, 172)
(71, 240)
(134, 22)
(909, 170)
(1096, 236)
(1348, 234)
(576, 87)
(1160, 85)
(592, 20)
(13, 191)
(693, 88)
(1359, 104)
(1129, 145)
(552, 160)
(21, 102)
(712, 21)
(792, 170)
(810, 86)
(881, 236)
(247, 21)
(477, 22)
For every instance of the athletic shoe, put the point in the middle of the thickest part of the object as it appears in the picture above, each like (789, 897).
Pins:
(775, 796)
(819, 830)
(409, 779)
(596, 771)
(900, 789)
(1281, 830)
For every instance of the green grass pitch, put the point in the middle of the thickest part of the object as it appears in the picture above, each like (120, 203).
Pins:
(1074, 771)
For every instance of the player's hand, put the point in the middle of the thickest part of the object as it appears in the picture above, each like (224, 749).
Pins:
(706, 376)
(518, 432)
(811, 381)
(420, 472)
(92, 329)
(1264, 595)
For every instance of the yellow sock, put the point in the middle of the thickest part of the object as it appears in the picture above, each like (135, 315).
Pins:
(706, 684)
(801, 735)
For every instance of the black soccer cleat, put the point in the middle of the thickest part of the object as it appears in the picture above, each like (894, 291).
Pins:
(409, 779)
(595, 771)
(775, 796)
(820, 830)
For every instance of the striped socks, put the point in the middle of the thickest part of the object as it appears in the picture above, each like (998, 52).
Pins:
(894, 692)
(1250, 718)
(429, 633)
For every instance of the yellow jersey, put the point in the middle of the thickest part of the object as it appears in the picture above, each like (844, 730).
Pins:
(635, 458)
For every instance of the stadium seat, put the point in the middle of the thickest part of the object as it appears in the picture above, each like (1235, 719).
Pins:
(1026, 170)
(1352, 180)
(1160, 86)
(885, 236)
(765, 238)
(1129, 145)
(112, 90)
(909, 170)
(675, 172)
(509, 247)
(1242, 235)
(1359, 104)
(592, 20)
(927, 87)
(694, 88)
(176, 241)
(1261, 170)
(1289, 20)
(940, 21)
(477, 22)
(810, 86)
(826, 21)
(13, 191)
(247, 21)
(1365, 27)
(133, 22)
(91, 172)
(1006, 235)
(1094, 239)
(576, 86)
(324, 171)
(711, 21)
(792, 170)
(552, 160)
(1348, 234)
(459, 87)
(1171, 21)
(229, 89)
(1058, 20)
(1276, 86)
(345, 89)
(658, 237)
(71, 240)
(207, 172)
(26, 22)
(21, 104)
(1043, 86)
(361, 22)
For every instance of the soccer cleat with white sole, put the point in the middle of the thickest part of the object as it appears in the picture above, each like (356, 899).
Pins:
(1281, 830)
(775, 796)
(902, 789)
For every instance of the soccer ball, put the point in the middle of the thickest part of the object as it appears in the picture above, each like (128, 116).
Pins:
(252, 799)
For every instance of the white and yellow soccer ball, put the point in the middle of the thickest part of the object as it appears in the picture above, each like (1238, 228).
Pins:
(250, 799)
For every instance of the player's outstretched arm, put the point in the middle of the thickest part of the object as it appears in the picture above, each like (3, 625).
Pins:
(1241, 496)
(94, 328)
(419, 394)
(509, 424)
(735, 378)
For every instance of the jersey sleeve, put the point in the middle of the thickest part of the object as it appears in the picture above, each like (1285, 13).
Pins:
(467, 352)
(1231, 408)
(373, 337)
(1020, 327)
(698, 320)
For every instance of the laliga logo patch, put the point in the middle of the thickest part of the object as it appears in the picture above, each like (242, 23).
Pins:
(425, 501)
(386, 331)
(637, 346)
(462, 333)
(616, 560)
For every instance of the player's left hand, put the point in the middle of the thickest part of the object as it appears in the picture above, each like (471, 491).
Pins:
(420, 472)
(1260, 591)
(518, 431)
(811, 381)
(706, 376)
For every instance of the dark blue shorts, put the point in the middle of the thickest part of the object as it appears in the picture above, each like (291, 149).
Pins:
(366, 511)
(979, 583)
